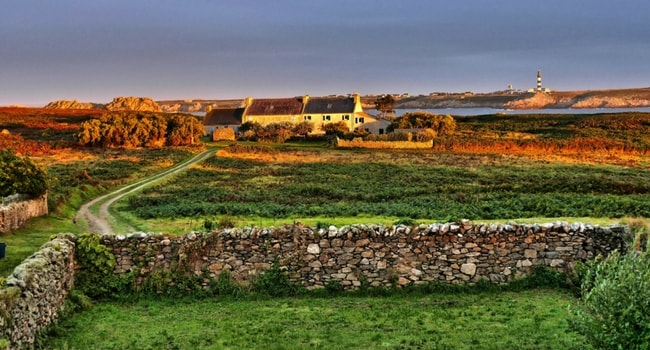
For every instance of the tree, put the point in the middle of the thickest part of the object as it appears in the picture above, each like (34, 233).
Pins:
(303, 128)
(183, 130)
(90, 133)
(440, 125)
(384, 104)
(275, 132)
(339, 128)
(20, 175)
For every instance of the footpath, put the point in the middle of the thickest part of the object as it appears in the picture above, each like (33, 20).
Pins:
(101, 222)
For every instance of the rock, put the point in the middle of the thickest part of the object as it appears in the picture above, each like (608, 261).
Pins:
(468, 269)
(530, 253)
(403, 281)
(536, 101)
(73, 104)
(142, 104)
(313, 249)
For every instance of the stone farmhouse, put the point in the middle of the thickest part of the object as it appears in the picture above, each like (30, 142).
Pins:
(317, 110)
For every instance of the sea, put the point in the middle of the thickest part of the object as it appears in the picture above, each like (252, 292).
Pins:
(468, 112)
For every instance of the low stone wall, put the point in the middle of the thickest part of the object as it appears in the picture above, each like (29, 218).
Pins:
(372, 254)
(359, 143)
(15, 214)
(35, 292)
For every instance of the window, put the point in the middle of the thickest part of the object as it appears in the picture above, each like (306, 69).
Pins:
(307, 117)
(329, 106)
(359, 120)
(381, 131)
(345, 117)
(327, 117)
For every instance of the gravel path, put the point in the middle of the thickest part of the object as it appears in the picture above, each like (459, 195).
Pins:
(101, 223)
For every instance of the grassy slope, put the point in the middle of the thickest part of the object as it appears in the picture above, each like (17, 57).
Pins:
(526, 320)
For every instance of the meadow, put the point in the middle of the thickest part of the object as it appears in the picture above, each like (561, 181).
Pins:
(495, 168)
(534, 319)
(290, 184)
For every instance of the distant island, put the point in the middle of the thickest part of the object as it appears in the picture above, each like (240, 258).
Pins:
(516, 100)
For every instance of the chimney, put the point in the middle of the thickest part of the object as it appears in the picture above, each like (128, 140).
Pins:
(247, 101)
(305, 99)
(357, 98)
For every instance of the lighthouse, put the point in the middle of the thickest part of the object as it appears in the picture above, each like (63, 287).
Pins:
(539, 81)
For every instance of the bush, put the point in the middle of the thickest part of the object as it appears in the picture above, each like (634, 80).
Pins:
(339, 129)
(615, 309)
(275, 282)
(400, 136)
(20, 175)
(426, 135)
(96, 263)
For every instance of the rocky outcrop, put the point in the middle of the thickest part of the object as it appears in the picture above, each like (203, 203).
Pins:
(621, 98)
(610, 102)
(185, 107)
(536, 101)
(140, 104)
(73, 104)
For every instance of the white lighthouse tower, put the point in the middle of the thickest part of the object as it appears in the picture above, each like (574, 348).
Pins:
(539, 81)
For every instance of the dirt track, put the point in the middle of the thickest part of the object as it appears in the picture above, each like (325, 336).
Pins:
(100, 223)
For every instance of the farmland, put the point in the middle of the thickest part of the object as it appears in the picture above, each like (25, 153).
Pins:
(494, 168)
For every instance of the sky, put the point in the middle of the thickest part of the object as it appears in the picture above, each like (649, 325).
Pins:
(95, 50)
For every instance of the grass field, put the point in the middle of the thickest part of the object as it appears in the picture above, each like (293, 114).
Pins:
(346, 186)
(528, 168)
(534, 319)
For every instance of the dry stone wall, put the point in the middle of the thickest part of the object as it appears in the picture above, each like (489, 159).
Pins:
(373, 254)
(14, 214)
(35, 293)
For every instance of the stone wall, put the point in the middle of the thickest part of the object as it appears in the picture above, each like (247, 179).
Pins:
(360, 143)
(36, 292)
(14, 214)
(372, 254)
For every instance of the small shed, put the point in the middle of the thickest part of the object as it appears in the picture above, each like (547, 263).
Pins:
(221, 118)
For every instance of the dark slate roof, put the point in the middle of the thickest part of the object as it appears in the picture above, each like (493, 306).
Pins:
(275, 106)
(224, 116)
(323, 105)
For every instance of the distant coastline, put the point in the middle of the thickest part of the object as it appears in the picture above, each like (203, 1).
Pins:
(634, 99)
(498, 101)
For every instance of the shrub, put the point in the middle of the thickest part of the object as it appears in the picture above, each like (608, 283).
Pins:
(614, 312)
(339, 128)
(20, 175)
(275, 282)
(440, 125)
(426, 135)
(96, 264)
(400, 136)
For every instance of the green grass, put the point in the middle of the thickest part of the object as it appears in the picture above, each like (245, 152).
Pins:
(415, 185)
(534, 319)
(25, 241)
(75, 182)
